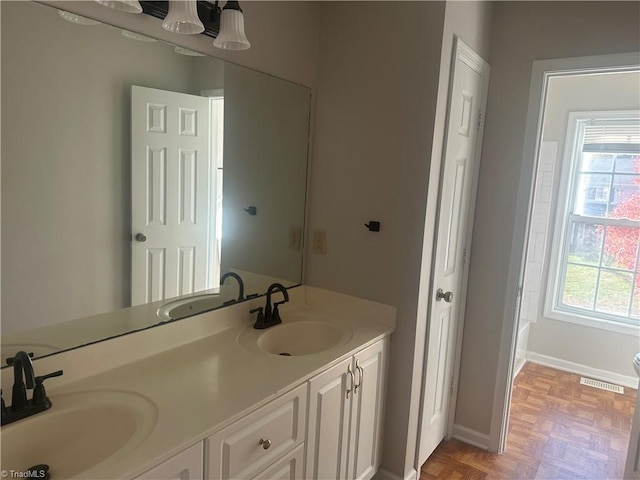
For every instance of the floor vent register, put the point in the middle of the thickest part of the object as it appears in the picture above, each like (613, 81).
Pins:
(601, 385)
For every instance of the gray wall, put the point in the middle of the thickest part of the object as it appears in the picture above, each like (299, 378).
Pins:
(522, 32)
(66, 171)
(261, 172)
(381, 104)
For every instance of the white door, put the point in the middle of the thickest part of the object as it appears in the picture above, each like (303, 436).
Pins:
(467, 99)
(170, 143)
(366, 412)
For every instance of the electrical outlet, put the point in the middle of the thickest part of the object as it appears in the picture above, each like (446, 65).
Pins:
(320, 242)
(295, 238)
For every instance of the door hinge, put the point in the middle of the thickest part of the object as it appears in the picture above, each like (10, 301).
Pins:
(480, 120)
(452, 385)
(464, 256)
(519, 294)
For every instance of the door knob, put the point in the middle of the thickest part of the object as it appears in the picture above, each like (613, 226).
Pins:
(140, 237)
(442, 295)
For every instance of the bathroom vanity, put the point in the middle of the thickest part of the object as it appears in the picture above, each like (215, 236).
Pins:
(211, 397)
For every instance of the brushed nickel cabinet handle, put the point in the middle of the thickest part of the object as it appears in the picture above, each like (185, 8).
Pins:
(360, 376)
(353, 381)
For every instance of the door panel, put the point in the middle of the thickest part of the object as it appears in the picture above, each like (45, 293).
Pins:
(454, 218)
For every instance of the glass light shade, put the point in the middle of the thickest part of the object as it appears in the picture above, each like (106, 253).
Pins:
(187, 52)
(129, 6)
(183, 17)
(231, 35)
(138, 36)
(77, 19)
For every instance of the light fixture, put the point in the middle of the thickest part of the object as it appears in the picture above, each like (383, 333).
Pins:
(183, 17)
(129, 6)
(77, 19)
(231, 35)
(226, 26)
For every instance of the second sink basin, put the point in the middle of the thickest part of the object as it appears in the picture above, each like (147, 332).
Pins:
(300, 338)
(81, 430)
(297, 335)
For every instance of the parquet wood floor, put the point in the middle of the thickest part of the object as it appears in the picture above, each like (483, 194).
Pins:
(558, 429)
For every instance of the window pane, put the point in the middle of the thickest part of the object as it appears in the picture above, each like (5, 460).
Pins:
(580, 286)
(635, 305)
(621, 247)
(597, 162)
(614, 291)
(635, 301)
(592, 195)
(585, 242)
(625, 198)
(628, 163)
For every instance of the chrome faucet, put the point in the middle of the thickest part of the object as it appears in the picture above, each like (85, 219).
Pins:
(269, 316)
(23, 379)
(240, 285)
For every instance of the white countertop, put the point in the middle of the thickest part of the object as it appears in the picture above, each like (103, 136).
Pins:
(200, 387)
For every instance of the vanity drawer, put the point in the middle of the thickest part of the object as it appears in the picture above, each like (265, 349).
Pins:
(251, 444)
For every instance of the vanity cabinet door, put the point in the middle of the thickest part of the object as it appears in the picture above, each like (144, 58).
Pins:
(366, 412)
(328, 428)
(345, 417)
(186, 465)
(258, 440)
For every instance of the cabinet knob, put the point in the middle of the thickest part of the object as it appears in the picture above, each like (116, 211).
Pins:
(265, 442)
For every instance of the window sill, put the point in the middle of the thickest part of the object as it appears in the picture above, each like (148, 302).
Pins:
(611, 326)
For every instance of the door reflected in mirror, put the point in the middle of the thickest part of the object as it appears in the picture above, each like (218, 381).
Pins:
(132, 174)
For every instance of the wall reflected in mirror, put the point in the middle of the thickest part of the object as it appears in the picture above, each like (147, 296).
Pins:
(132, 175)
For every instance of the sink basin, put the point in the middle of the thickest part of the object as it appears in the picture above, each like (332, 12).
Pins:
(185, 307)
(80, 431)
(297, 335)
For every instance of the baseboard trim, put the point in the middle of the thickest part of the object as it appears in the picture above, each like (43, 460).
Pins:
(567, 366)
(384, 475)
(518, 367)
(471, 437)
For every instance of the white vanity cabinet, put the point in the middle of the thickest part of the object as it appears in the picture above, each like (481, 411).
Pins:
(255, 443)
(186, 465)
(345, 417)
(328, 428)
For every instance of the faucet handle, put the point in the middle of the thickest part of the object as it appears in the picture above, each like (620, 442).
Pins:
(10, 360)
(39, 394)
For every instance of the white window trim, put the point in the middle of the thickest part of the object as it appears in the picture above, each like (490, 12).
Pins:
(558, 234)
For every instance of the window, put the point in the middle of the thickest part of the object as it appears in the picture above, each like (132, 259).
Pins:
(597, 239)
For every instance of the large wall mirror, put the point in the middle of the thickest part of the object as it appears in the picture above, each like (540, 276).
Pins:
(135, 173)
